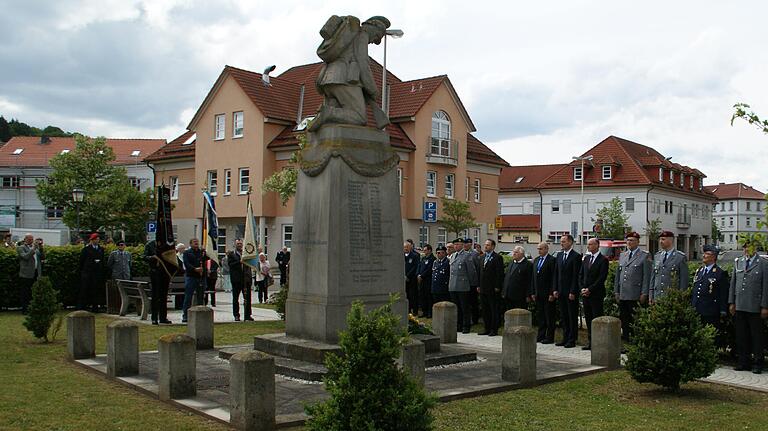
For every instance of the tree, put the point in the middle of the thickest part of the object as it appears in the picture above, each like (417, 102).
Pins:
(42, 308)
(456, 216)
(652, 232)
(111, 203)
(283, 182)
(744, 112)
(5, 130)
(613, 219)
(715, 232)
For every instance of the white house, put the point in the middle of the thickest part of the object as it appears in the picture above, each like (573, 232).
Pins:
(738, 209)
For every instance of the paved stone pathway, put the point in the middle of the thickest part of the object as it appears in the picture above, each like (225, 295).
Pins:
(222, 312)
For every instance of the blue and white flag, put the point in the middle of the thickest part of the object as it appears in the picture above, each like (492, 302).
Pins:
(210, 227)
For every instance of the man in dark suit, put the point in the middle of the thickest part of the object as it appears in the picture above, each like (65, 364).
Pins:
(491, 282)
(411, 282)
(544, 288)
(424, 278)
(159, 280)
(594, 272)
(91, 273)
(441, 272)
(242, 280)
(517, 281)
(567, 264)
(282, 259)
(710, 291)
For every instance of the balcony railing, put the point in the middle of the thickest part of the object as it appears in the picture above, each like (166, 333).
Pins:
(683, 221)
(443, 151)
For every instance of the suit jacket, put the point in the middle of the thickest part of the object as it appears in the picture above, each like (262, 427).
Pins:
(749, 285)
(491, 274)
(633, 276)
(460, 268)
(517, 282)
(425, 270)
(283, 258)
(710, 291)
(30, 261)
(239, 273)
(676, 265)
(92, 261)
(412, 260)
(567, 273)
(592, 277)
(441, 273)
(544, 279)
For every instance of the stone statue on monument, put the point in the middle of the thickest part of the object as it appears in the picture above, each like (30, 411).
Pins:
(346, 81)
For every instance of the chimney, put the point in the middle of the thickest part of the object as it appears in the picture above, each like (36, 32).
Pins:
(301, 105)
(265, 75)
(45, 140)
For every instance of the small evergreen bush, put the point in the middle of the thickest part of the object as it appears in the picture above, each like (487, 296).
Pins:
(671, 345)
(42, 309)
(279, 299)
(368, 390)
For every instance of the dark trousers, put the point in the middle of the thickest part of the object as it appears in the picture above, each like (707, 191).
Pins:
(474, 304)
(715, 322)
(749, 338)
(545, 318)
(193, 290)
(440, 297)
(245, 290)
(511, 303)
(593, 308)
(412, 295)
(490, 303)
(261, 287)
(425, 297)
(25, 292)
(159, 284)
(627, 310)
(283, 274)
(464, 321)
(89, 288)
(569, 318)
(210, 291)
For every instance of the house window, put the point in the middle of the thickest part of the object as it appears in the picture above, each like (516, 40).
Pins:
(54, 212)
(577, 174)
(722, 206)
(730, 238)
(449, 181)
(218, 133)
(749, 222)
(174, 188)
(629, 204)
(682, 180)
(237, 124)
(730, 206)
(591, 205)
(213, 183)
(10, 182)
(441, 134)
(227, 181)
(730, 221)
(691, 181)
(400, 181)
(221, 242)
(442, 236)
(606, 172)
(431, 183)
(466, 189)
(423, 235)
(758, 206)
(722, 222)
(287, 235)
(566, 206)
(554, 236)
(135, 183)
(537, 207)
(661, 174)
(477, 189)
(476, 235)
(245, 178)
(749, 205)
(555, 206)
(672, 177)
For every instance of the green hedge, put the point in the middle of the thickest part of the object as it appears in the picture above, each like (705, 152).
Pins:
(60, 265)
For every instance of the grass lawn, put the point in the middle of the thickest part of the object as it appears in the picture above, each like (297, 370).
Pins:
(45, 392)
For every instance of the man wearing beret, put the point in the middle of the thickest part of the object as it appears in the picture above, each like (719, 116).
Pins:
(670, 268)
(748, 303)
(630, 286)
(710, 291)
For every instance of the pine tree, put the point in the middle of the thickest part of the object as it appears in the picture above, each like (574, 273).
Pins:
(43, 308)
(5, 130)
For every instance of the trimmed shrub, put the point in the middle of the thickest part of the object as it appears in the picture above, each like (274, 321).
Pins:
(368, 390)
(42, 309)
(671, 345)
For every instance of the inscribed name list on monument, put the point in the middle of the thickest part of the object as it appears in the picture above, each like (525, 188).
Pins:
(365, 228)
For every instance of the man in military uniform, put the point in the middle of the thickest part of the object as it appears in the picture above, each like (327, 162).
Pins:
(630, 286)
(710, 291)
(462, 268)
(474, 281)
(748, 303)
(424, 277)
(412, 260)
(441, 271)
(669, 265)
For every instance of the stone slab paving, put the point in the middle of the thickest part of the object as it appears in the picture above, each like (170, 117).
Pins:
(222, 312)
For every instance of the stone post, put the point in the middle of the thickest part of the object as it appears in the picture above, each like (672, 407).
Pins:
(518, 354)
(444, 321)
(517, 317)
(252, 391)
(176, 373)
(606, 342)
(200, 326)
(122, 348)
(412, 359)
(81, 335)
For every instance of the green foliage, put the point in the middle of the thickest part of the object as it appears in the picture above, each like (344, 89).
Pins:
(456, 216)
(111, 203)
(415, 326)
(652, 231)
(42, 309)
(610, 305)
(279, 300)
(368, 390)
(5, 130)
(17, 128)
(613, 219)
(744, 112)
(283, 182)
(671, 345)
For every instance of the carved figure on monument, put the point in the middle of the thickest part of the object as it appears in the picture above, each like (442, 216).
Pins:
(346, 81)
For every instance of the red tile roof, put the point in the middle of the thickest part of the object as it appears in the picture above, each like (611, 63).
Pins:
(529, 177)
(521, 222)
(407, 98)
(36, 154)
(175, 149)
(479, 152)
(734, 191)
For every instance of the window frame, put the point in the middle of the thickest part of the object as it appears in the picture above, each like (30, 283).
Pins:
(286, 233)
(212, 182)
(431, 176)
(227, 182)
(626, 204)
(240, 180)
(580, 176)
(440, 142)
(450, 186)
(234, 124)
(423, 235)
(477, 193)
(174, 183)
(609, 170)
(219, 135)
(554, 206)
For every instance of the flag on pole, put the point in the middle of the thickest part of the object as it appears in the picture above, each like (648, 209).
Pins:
(210, 227)
(166, 245)
(250, 246)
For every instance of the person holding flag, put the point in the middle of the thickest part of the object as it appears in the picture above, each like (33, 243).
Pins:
(160, 255)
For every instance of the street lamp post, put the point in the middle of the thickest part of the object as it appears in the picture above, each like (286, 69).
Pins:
(78, 195)
(395, 33)
(581, 234)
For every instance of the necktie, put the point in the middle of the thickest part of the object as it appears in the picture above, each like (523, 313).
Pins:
(541, 263)
(487, 259)
(665, 258)
(631, 253)
(591, 259)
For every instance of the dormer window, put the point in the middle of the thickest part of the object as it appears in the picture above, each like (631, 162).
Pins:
(682, 179)
(607, 174)
(18, 151)
(519, 180)
(672, 177)
(578, 174)
(135, 153)
(64, 151)
(441, 134)
(691, 181)
(661, 174)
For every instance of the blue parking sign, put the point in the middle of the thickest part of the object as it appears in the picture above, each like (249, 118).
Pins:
(152, 227)
(430, 212)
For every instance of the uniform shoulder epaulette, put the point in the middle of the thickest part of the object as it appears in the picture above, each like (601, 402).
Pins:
(680, 252)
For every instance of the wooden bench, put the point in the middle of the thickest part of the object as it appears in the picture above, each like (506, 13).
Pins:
(134, 291)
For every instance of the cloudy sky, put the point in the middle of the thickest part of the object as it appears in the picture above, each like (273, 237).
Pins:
(542, 82)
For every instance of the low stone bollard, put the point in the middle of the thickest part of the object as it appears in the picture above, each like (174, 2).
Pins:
(176, 374)
(81, 335)
(252, 391)
(606, 342)
(518, 354)
(122, 348)
(517, 317)
(444, 321)
(200, 326)
(412, 359)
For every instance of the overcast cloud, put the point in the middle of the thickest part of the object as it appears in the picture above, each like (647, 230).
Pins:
(542, 82)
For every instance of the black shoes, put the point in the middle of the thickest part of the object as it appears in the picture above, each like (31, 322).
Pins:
(154, 322)
(492, 334)
(249, 319)
(741, 368)
(587, 347)
(166, 322)
(237, 318)
(484, 333)
(546, 341)
(561, 344)
(757, 370)
(569, 345)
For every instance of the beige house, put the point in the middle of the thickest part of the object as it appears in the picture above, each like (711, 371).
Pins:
(247, 127)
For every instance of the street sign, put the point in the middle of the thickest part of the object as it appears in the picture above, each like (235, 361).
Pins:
(430, 212)
(498, 221)
(152, 227)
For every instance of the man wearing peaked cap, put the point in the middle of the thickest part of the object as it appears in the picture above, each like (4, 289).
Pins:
(441, 271)
(630, 285)
(748, 303)
(670, 268)
(710, 290)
